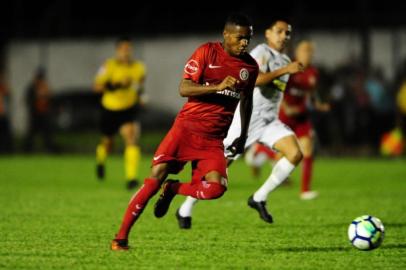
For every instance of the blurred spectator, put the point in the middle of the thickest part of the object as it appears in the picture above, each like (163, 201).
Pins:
(6, 143)
(343, 108)
(401, 104)
(38, 98)
(381, 115)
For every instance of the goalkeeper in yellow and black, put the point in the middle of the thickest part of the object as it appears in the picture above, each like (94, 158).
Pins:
(120, 81)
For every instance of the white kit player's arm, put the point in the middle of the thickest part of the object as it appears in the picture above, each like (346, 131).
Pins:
(265, 78)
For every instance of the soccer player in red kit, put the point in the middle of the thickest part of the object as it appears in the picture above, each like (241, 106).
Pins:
(299, 92)
(216, 77)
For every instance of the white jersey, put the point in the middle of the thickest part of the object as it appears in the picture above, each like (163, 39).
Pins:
(265, 126)
(267, 98)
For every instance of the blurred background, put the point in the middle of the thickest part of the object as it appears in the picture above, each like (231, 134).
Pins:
(360, 51)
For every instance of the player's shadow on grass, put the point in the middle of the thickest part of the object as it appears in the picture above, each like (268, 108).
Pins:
(393, 246)
(394, 225)
(311, 249)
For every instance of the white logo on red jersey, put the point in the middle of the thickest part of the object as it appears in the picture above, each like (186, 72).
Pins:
(158, 157)
(211, 66)
(229, 93)
(191, 67)
(244, 74)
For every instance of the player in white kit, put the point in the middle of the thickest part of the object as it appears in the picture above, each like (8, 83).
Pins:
(265, 127)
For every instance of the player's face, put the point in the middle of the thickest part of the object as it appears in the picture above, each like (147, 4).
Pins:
(304, 52)
(278, 35)
(237, 39)
(124, 51)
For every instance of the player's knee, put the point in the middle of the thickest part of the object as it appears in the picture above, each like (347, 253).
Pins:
(295, 156)
(211, 191)
(159, 171)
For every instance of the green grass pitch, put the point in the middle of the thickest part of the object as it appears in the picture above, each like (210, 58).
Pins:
(56, 215)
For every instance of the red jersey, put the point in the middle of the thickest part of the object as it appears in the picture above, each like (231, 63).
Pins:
(212, 114)
(299, 86)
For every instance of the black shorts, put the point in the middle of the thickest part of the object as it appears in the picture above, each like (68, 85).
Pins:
(111, 121)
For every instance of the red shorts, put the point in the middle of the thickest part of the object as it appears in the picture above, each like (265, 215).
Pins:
(300, 125)
(301, 129)
(180, 146)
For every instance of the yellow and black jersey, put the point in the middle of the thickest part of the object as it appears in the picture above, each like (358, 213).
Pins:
(129, 74)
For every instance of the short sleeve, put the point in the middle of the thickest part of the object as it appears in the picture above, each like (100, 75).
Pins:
(102, 75)
(195, 65)
(261, 57)
(142, 69)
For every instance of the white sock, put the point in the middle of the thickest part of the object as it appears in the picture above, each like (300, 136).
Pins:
(280, 172)
(186, 208)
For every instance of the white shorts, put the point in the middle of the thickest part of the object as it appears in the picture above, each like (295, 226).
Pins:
(260, 130)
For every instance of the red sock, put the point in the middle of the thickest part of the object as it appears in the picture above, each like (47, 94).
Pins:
(137, 204)
(202, 191)
(307, 169)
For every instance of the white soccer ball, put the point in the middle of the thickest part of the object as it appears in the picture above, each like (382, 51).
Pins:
(366, 232)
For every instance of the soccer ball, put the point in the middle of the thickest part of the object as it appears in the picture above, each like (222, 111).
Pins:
(366, 232)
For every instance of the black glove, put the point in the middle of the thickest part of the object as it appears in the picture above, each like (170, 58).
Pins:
(109, 86)
(237, 147)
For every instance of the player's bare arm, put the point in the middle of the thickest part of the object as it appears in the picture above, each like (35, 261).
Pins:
(188, 88)
(98, 88)
(246, 100)
(141, 92)
(266, 78)
(291, 110)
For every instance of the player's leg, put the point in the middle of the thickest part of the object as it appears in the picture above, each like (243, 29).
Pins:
(184, 213)
(212, 187)
(102, 151)
(209, 181)
(257, 155)
(138, 203)
(282, 139)
(164, 162)
(306, 143)
(256, 128)
(130, 131)
(108, 126)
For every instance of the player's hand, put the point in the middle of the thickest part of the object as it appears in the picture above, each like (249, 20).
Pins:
(237, 147)
(292, 110)
(229, 82)
(127, 83)
(295, 67)
(323, 107)
(109, 86)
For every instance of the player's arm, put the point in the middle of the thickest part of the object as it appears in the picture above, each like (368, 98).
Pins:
(246, 104)
(318, 104)
(102, 77)
(141, 91)
(246, 100)
(109, 86)
(188, 88)
(265, 78)
(103, 81)
(292, 110)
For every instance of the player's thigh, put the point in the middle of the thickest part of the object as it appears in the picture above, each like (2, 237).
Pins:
(130, 132)
(213, 169)
(160, 171)
(274, 132)
(107, 141)
(290, 148)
